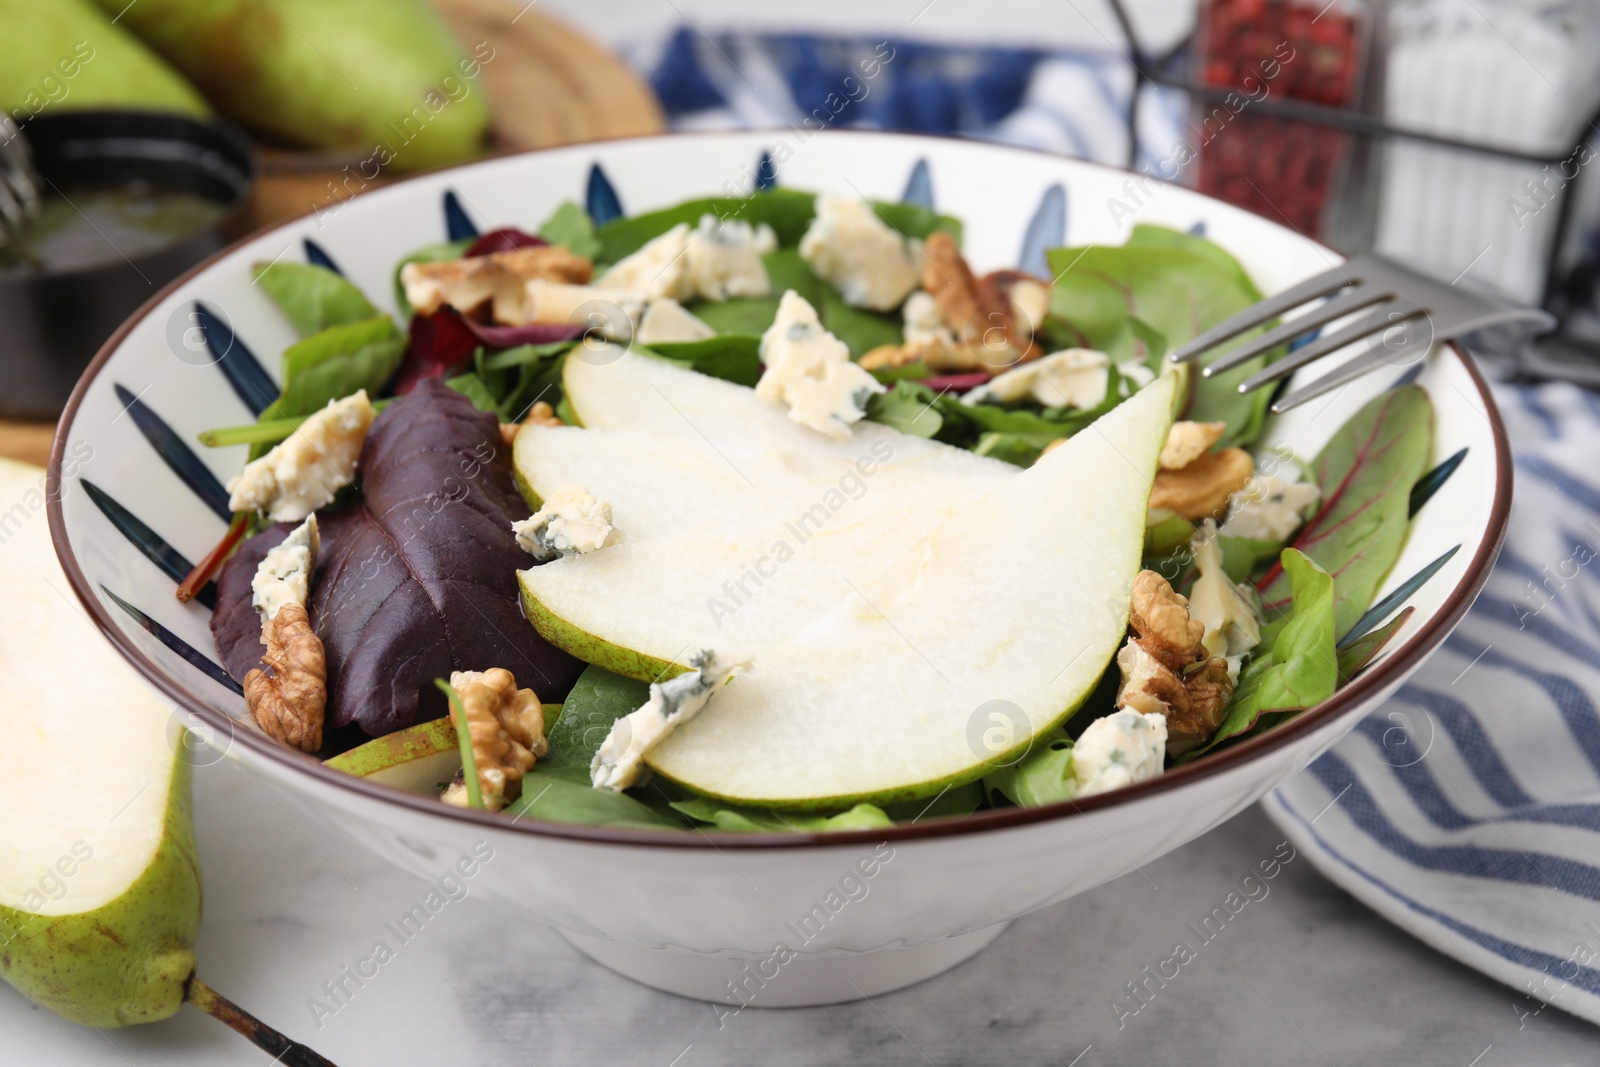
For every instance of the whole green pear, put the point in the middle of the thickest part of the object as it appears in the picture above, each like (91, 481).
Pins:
(383, 75)
(69, 54)
(99, 876)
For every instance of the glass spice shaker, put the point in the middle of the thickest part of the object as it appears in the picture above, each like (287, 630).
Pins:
(1277, 49)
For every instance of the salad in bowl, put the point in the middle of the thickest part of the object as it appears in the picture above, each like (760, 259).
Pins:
(771, 512)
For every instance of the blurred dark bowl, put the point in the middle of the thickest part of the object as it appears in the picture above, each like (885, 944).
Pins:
(51, 324)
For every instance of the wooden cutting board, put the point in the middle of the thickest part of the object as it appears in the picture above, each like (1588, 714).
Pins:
(27, 441)
(548, 85)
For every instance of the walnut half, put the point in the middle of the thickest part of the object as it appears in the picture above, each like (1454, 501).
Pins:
(506, 725)
(1166, 669)
(288, 699)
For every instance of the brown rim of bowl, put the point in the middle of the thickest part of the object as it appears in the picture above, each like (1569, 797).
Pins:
(1389, 670)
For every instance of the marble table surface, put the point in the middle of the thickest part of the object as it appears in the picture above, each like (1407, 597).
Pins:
(1303, 976)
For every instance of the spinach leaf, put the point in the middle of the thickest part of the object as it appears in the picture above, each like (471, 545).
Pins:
(755, 820)
(1360, 652)
(545, 796)
(787, 270)
(1043, 776)
(1148, 236)
(859, 329)
(598, 699)
(1167, 536)
(1242, 557)
(336, 362)
(313, 298)
(914, 220)
(1366, 473)
(748, 315)
(735, 357)
(570, 226)
(426, 254)
(1301, 669)
(787, 211)
(1110, 298)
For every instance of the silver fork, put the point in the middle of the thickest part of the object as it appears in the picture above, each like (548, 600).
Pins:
(19, 182)
(1393, 296)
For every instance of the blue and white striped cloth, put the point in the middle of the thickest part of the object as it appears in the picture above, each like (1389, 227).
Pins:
(1467, 810)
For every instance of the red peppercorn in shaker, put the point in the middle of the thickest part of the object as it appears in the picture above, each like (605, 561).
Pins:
(1276, 49)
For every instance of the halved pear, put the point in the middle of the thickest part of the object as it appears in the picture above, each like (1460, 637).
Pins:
(1002, 620)
(99, 876)
(419, 759)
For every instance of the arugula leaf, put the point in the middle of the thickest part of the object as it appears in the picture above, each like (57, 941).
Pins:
(598, 699)
(1014, 448)
(426, 254)
(524, 354)
(1115, 298)
(336, 362)
(1366, 473)
(570, 226)
(755, 820)
(545, 796)
(735, 357)
(312, 298)
(1043, 776)
(1302, 667)
(1360, 652)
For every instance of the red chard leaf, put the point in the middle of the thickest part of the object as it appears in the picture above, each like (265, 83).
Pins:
(1366, 473)
(419, 578)
(499, 338)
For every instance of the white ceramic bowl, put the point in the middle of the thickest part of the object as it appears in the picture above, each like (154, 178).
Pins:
(715, 916)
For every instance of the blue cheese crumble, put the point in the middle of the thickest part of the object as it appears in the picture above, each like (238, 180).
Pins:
(809, 370)
(1119, 750)
(859, 254)
(571, 522)
(619, 762)
(283, 576)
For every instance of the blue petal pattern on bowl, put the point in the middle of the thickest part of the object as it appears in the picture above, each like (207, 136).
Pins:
(601, 198)
(458, 225)
(1434, 480)
(177, 644)
(177, 455)
(1047, 229)
(766, 173)
(919, 186)
(317, 257)
(238, 364)
(147, 541)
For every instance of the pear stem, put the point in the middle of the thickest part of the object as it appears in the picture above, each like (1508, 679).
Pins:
(284, 1051)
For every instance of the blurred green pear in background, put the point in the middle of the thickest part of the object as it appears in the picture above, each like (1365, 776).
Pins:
(382, 75)
(68, 54)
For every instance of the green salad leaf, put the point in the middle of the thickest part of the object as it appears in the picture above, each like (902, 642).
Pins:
(861, 330)
(1242, 556)
(755, 820)
(1111, 298)
(787, 211)
(313, 298)
(955, 800)
(735, 357)
(1043, 776)
(909, 407)
(1365, 473)
(598, 699)
(336, 362)
(545, 796)
(571, 227)
(1301, 668)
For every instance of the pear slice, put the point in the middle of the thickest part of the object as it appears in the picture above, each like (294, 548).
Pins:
(987, 634)
(612, 389)
(99, 877)
(418, 759)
